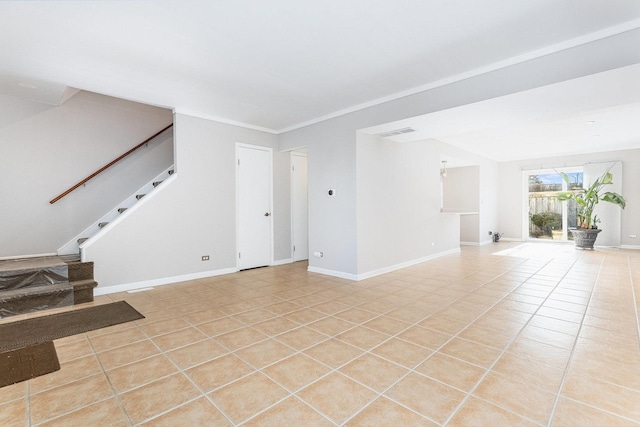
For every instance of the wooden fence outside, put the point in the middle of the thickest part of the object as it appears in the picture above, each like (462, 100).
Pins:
(546, 201)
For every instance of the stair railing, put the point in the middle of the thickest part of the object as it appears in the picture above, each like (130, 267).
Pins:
(108, 165)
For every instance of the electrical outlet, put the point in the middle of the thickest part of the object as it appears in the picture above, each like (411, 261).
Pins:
(490, 233)
(633, 236)
(318, 254)
(205, 257)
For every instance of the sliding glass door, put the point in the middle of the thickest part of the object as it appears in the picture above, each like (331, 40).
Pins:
(549, 218)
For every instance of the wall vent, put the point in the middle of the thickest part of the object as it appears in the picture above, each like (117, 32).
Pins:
(395, 132)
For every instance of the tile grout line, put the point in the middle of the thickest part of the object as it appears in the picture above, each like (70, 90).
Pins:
(179, 371)
(103, 372)
(573, 347)
(113, 389)
(605, 381)
(260, 370)
(335, 370)
(276, 315)
(413, 369)
(256, 370)
(94, 353)
(354, 303)
(184, 375)
(489, 369)
(290, 395)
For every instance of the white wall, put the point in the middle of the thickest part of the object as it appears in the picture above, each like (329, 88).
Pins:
(461, 193)
(489, 200)
(332, 143)
(512, 192)
(398, 209)
(462, 189)
(331, 165)
(473, 189)
(487, 194)
(194, 215)
(282, 247)
(14, 110)
(46, 150)
(608, 215)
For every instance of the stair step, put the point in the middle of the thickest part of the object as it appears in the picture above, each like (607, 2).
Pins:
(82, 240)
(80, 271)
(120, 210)
(102, 224)
(171, 172)
(139, 196)
(83, 290)
(29, 299)
(155, 184)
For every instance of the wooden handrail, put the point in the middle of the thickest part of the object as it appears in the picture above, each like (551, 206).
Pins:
(107, 166)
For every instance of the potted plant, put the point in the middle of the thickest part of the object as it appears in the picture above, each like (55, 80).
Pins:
(586, 199)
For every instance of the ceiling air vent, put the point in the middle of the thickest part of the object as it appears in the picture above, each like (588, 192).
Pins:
(395, 132)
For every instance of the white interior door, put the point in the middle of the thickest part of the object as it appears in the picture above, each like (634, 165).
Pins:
(299, 206)
(254, 224)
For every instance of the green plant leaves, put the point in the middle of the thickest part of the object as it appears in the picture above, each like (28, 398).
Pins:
(614, 198)
(587, 198)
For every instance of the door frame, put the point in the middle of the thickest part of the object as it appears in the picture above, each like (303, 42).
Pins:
(269, 150)
(525, 200)
(291, 155)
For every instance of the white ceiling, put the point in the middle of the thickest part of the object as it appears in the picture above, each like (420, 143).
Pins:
(35, 90)
(277, 65)
(600, 112)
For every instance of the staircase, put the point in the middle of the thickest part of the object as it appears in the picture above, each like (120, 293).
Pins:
(47, 282)
(42, 283)
(74, 246)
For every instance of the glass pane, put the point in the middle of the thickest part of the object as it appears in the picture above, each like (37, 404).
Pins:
(576, 180)
(545, 210)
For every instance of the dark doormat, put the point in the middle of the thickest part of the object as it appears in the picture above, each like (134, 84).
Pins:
(25, 333)
(28, 362)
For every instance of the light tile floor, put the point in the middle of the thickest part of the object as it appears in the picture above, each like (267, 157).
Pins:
(505, 334)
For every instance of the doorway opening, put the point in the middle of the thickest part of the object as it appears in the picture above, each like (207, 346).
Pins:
(548, 217)
(299, 206)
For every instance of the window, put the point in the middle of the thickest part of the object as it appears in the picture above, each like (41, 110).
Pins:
(550, 218)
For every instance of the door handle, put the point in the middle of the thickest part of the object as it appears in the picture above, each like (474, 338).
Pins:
(267, 214)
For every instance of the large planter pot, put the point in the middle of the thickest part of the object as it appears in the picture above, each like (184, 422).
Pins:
(584, 238)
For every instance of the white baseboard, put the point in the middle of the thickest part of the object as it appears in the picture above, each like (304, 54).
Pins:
(406, 264)
(629, 246)
(333, 273)
(484, 242)
(511, 239)
(283, 261)
(389, 269)
(159, 282)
